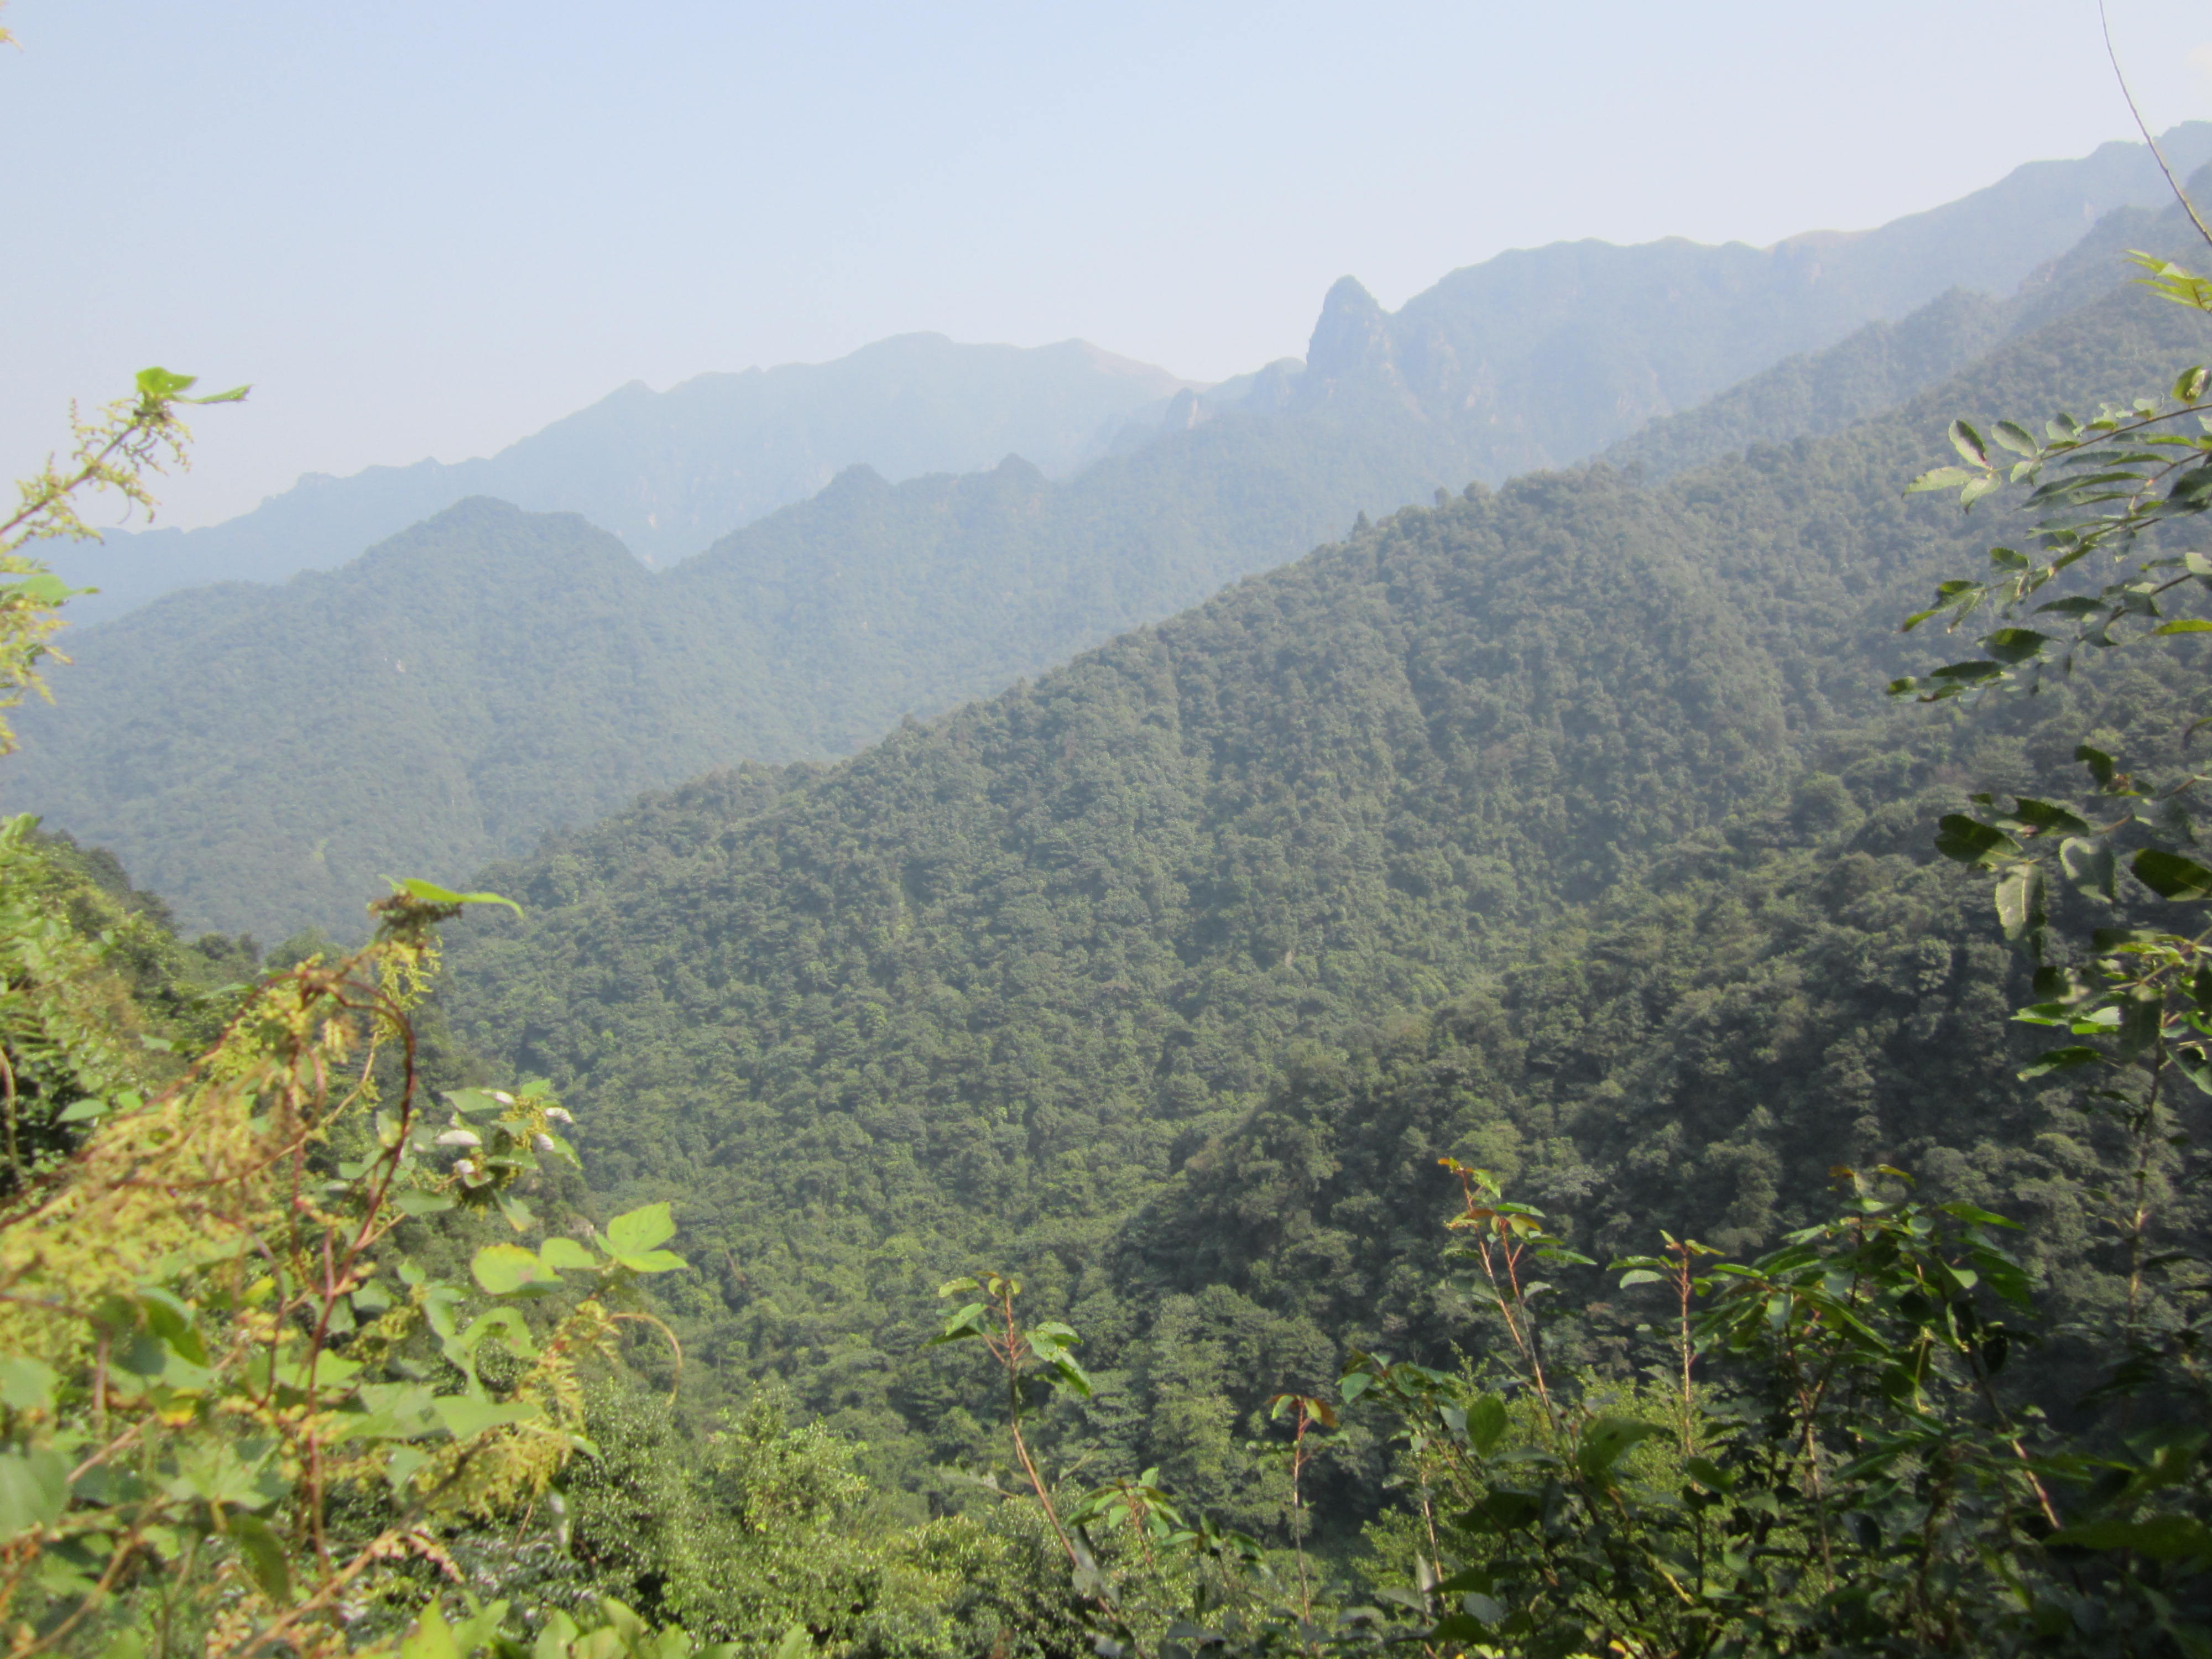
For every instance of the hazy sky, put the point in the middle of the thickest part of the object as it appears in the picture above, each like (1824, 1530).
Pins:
(428, 229)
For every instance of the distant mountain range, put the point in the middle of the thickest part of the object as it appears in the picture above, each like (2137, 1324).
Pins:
(263, 756)
(670, 472)
(1534, 358)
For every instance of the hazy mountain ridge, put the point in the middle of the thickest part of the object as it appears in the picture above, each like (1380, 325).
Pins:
(670, 471)
(804, 636)
(1535, 358)
(1884, 364)
(1543, 356)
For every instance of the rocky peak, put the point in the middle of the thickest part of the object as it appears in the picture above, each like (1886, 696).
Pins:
(1351, 341)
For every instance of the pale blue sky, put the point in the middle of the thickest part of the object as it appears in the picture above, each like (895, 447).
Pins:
(430, 228)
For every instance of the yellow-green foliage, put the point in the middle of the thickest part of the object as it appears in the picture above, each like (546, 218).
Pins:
(209, 1336)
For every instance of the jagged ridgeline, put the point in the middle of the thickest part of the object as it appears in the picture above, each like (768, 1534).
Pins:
(980, 992)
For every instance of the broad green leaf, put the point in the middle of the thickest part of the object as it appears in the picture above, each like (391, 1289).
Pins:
(163, 383)
(431, 1638)
(1972, 842)
(505, 1269)
(402, 1465)
(2102, 766)
(1709, 1474)
(640, 1231)
(1977, 1216)
(1485, 1422)
(26, 1384)
(555, 1634)
(1973, 672)
(481, 1629)
(45, 588)
(2184, 625)
(263, 1551)
(1502, 1509)
(2163, 1537)
(1071, 1375)
(2170, 876)
(1968, 443)
(562, 1253)
(465, 1415)
(2020, 900)
(2058, 1060)
(34, 1490)
(1641, 1276)
(1483, 1609)
(2090, 867)
(2016, 645)
(969, 1322)
(505, 1323)
(2046, 818)
(2195, 1063)
(1607, 1440)
(431, 893)
(415, 1201)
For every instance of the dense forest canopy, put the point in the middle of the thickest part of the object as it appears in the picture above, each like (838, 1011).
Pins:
(983, 989)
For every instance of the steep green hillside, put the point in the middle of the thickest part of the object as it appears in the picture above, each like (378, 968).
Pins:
(1809, 985)
(265, 756)
(980, 992)
(1885, 364)
(294, 746)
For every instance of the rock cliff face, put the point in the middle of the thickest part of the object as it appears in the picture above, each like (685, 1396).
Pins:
(1351, 339)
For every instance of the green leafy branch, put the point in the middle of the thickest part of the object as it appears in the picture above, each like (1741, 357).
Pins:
(1044, 1351)
(2095, 485)
(130, 439)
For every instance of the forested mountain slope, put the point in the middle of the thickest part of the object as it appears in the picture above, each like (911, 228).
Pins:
(670, 471)
(260, 752)
(977, 993)
(491, 673)
(807, 634)
(1807, 986)
(1885, 364)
